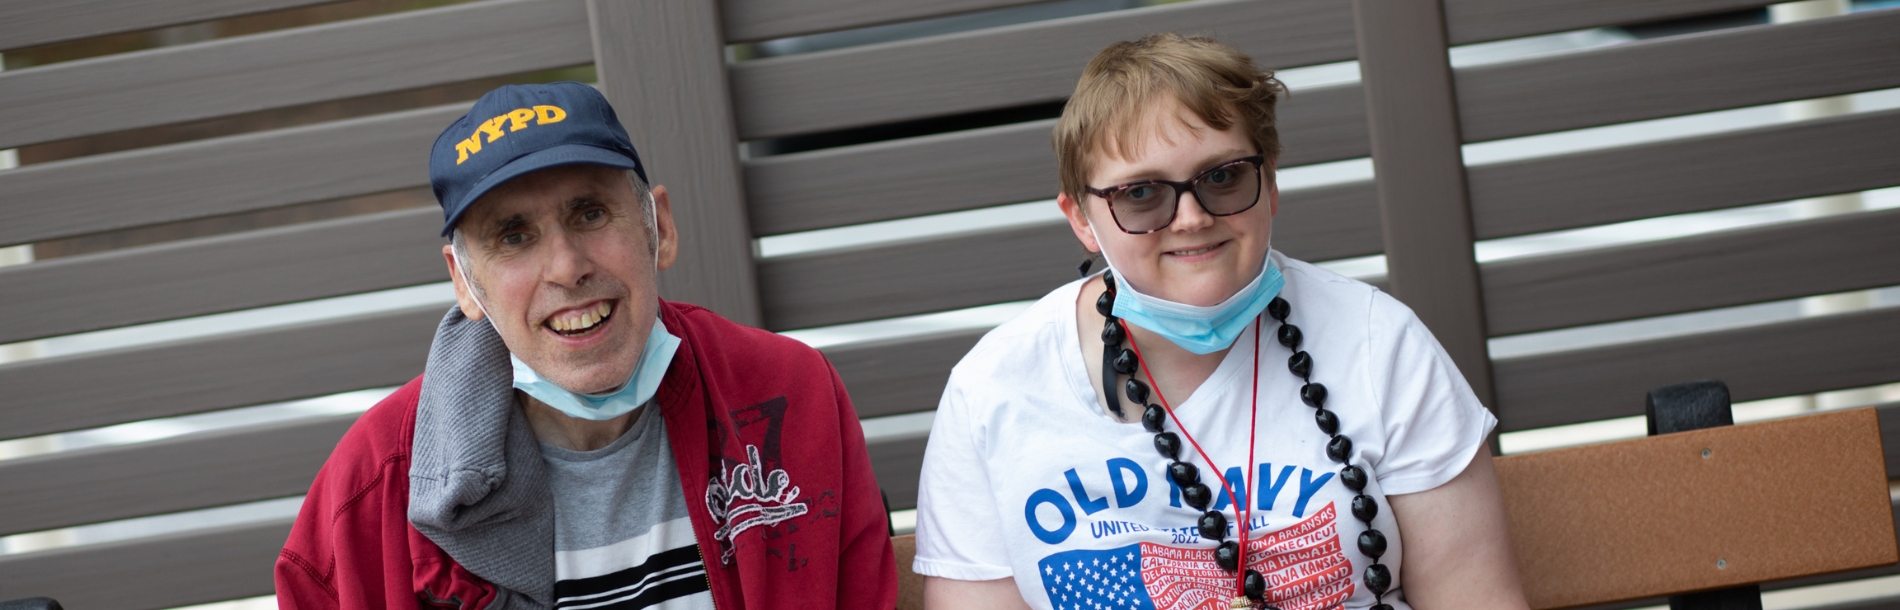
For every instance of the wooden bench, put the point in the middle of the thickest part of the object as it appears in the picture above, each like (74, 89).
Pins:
(690, 108)
(1704, 513)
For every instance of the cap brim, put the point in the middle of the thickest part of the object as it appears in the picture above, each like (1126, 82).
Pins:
(565, 154)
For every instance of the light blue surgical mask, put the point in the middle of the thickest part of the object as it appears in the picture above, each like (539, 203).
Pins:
(638, 389)
(1198, 329)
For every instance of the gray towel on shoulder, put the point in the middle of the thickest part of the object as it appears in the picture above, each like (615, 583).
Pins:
(477, 485)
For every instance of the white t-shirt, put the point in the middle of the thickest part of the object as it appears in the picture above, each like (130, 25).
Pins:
(1025, 476)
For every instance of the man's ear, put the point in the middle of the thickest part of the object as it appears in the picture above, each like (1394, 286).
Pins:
(1078, 221)
(463, 294)
(669, 246)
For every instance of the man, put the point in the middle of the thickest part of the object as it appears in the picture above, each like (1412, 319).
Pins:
(576, 442)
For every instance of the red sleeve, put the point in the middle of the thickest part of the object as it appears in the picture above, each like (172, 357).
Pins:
(867, 568)
(350, 547)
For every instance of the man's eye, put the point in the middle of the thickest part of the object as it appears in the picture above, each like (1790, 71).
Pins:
(514, 239)
(592, 215)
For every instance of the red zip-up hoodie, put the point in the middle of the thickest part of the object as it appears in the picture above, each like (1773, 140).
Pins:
(758, 425)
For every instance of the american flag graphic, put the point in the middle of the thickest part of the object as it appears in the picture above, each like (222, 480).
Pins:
(1303, 563)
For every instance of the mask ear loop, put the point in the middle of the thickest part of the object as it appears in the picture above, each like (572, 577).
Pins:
(471, 290)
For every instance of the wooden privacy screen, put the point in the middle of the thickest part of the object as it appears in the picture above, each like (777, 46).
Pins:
(1700, 510)
(689, 108)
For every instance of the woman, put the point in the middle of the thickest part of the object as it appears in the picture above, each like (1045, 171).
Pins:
(1115, 444)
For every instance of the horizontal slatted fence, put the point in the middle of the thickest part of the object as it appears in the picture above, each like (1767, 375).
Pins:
(221, 176)
(28, 24)
(849, 88)
(289, 67)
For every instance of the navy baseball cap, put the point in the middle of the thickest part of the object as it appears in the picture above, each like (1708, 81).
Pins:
(521, 128)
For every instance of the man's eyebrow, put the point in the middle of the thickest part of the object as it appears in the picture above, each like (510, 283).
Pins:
(581, 201)
(505, 224)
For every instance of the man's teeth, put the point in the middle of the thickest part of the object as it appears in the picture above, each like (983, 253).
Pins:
(583, 319)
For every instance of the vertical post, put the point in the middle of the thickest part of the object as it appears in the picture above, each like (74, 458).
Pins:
(1694, 406)
(1412, 115)
(663, 65)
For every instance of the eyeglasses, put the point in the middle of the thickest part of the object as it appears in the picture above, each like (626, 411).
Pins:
(1149, 205)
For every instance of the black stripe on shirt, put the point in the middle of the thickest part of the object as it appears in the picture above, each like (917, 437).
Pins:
(664, 561)
(685, 582)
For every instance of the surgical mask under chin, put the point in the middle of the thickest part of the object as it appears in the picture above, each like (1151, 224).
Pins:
(638, 389)
(1198, 329)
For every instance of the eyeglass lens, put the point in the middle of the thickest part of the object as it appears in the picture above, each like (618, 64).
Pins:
(1225, 190)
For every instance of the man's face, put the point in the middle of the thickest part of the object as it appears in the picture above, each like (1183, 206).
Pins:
(1198, 258)
(566, 270)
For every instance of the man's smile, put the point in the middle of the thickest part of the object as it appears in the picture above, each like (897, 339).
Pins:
(580, 321)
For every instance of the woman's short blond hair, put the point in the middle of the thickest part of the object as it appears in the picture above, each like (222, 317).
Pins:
(1216, 82)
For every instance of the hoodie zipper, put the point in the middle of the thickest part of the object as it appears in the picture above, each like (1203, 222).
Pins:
(710, 594)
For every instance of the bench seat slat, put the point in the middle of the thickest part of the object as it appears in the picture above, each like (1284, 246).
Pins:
(1653, 516)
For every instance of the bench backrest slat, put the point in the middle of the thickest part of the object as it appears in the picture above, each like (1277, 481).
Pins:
(1653, 516)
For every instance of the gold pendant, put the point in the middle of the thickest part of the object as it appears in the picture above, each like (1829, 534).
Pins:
(1241, 601)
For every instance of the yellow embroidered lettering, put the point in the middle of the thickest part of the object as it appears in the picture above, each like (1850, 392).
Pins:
(549, 114)
(472, 145)
(492, 127)
(518, 118)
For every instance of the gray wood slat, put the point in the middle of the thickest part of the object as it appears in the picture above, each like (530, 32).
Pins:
(899, 463)
(177, 474)
(1890, 436)
(900, 375)
(1405, 72)
(868, 283)
(278, 460)
(220, 372)
(1008, 66)
(967, 270)
(1766, 361)
(986, 167)
(749, 20)
(1810, 257)
(289, 67)
(220, 176)
(663, 65)
(1829, 156)
(152, 573)
(1471, 21)
(26, 23)
(219, 274)
(1676, 76)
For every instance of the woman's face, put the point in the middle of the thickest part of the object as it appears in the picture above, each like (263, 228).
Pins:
(1198, 258)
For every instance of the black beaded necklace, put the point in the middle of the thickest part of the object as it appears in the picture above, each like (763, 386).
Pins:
(1213, 523)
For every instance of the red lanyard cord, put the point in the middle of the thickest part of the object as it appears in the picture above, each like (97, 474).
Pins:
(1244, 512)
